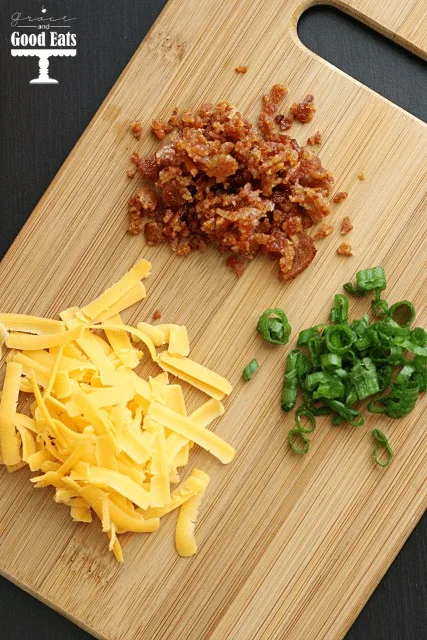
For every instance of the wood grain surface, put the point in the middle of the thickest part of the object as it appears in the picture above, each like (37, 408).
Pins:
(290, 548)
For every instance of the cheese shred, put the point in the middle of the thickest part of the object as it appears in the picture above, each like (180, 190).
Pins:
(109, 441)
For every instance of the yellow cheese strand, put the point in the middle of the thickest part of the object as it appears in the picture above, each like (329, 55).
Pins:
(9, 399)
(185, 537)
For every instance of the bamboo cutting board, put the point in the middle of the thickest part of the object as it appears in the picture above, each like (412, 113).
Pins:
(290, 548)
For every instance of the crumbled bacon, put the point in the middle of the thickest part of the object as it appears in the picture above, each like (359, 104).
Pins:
(340, 196)
(324, 230)
(241, 69)
(136, 127)
(236, 264)
(222, 181)
(131, 173)
(161, 128)
(157, 314)
(304, 110)
(345, 249)
(346, 226)
(315, 139)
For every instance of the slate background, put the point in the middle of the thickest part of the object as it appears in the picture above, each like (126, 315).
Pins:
(39, 126)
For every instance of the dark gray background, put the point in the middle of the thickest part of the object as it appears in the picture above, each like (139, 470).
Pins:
(39, 126)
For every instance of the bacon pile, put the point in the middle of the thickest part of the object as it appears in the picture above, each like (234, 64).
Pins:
(246, 189)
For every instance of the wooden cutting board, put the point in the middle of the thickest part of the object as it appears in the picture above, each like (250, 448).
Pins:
(290, 548)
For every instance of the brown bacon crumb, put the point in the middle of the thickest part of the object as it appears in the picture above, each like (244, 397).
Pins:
(361, 176)
(157, 314)
(315, 139)
(236, 264)
(340, 196)
(220, 180)
(131, 173)
(303, 111)
(136, 127)
(241, 69)
(346, 226)
(345, 249)
(324, 230)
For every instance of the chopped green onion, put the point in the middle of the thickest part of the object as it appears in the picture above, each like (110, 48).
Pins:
(305, 336)
(379, 307)
(300, 431)
(293, 435)
(404, 310)
(419, 337)
(339, 312)
(370, 279)
(330, 361)
(303, 365)
(382, 443)
(315, 347)
(339, 338)
(250, 370)
(384, 375)
(290, 381)
(274, 326)
(341, 364)
(363, 376)
(355, 291)
(350, 415)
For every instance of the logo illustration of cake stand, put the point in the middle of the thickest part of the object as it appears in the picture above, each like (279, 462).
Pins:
(43, 56)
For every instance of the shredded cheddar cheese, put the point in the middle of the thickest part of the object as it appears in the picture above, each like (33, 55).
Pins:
(109, 442)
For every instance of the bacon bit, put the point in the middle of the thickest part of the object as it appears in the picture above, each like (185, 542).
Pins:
(323, 231)
(340, 196)
(316, 139)
(161, 129)
(303, 111)
(346, 226)
(284, 123)
(361, 176)
(136, 127)
(345, 249)
(222, 181)
(131, 173)
(157, 314)
(241, 69)
(236, 264)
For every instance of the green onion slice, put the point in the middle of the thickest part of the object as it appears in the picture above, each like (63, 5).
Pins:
(274, 326)
(250, 370)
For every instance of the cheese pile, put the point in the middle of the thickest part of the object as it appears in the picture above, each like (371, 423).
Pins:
(109, 441)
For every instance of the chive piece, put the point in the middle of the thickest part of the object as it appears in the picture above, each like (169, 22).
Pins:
(301, 431)
(339, 312)
(363, 376)
(404, 310)
(370, 279)
(339, 338)
(382, 443)
(250, 370)
(355, 291)
(290, 381)
(350, 415)
(274, 326)
(379, 307)
(293, 435)
(330, 361)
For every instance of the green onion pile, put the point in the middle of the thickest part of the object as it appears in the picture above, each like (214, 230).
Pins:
(342, 364)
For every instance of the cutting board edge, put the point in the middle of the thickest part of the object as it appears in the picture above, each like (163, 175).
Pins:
(364, 19)
(63, 612)
(346, 624)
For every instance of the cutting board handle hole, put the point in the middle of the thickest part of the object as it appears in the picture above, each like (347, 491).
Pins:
(373, 59)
